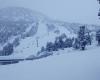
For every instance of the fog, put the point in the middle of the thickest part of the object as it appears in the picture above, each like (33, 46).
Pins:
(79, 11)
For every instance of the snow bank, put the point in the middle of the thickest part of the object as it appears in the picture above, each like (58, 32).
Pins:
(77, 65)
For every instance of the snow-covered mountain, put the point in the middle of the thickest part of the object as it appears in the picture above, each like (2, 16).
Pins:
(19, 14)
(29, 26)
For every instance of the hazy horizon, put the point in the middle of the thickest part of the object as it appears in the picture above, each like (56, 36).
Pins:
(79, 11)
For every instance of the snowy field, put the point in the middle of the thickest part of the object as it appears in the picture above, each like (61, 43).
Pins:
(69, 65)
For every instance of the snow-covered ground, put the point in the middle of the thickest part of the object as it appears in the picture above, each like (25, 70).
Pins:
(69, 65)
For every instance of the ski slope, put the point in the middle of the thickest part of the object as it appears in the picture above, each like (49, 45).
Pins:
(69, 65)
(28, 46)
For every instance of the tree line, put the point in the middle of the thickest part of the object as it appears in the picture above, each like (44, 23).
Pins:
(83, 39)
(80, 42)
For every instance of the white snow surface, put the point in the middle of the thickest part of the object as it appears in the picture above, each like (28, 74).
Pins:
(28, 46)
(69, 65)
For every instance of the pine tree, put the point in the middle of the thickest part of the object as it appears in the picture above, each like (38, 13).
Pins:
(49, 46)
(68, 42)
(99, 1)
(88, 38)
(98, 32)
(98, 36)
(82, 38)
(8, 49)
(57, 44)
(61, 43)
(16, 42)
(42, 49)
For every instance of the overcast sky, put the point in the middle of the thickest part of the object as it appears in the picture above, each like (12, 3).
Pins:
(83, 11)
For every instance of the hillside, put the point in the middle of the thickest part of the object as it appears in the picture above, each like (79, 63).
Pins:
(26, 27)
